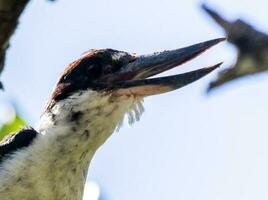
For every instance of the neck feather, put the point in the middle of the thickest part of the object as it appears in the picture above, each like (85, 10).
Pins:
(71, 132)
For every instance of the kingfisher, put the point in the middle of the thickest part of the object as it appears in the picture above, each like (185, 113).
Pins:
(252, 46)
(89, 102)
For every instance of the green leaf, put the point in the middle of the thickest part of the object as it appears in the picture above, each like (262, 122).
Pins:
(11, 126)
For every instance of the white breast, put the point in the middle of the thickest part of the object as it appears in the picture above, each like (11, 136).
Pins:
(55, 165)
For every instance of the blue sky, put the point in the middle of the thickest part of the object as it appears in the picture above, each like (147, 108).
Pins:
(188, 145)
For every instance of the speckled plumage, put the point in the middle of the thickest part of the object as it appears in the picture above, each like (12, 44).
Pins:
(70, 142)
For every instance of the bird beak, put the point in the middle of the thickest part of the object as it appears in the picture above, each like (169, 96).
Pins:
(131, 79)
(147, 87)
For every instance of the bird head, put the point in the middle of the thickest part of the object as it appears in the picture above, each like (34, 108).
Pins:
(118, 73)
(120, 80)
(97, 91)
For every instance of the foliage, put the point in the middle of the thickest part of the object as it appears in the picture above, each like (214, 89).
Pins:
(11, 126)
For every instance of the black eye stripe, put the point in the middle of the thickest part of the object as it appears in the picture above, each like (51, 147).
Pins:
(94, 70)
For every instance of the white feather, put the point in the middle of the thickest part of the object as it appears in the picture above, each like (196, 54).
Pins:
(55, 165)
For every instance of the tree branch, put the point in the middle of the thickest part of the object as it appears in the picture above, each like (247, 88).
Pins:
(252, 46)
(10, 11)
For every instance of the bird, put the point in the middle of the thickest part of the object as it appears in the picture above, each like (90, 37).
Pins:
(88, 103)
(252, 46)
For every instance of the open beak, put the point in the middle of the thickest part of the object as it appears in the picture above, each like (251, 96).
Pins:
(132, 78)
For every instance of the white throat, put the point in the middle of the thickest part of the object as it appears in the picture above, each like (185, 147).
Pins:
(71, 132)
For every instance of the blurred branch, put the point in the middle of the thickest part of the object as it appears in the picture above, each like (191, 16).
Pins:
(252, 46)
(10, 11)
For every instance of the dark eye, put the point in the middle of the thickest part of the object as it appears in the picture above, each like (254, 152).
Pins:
(108, 69)
(93, 71)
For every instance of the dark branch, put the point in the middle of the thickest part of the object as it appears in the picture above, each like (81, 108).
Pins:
(252, 46)
(10, 11)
